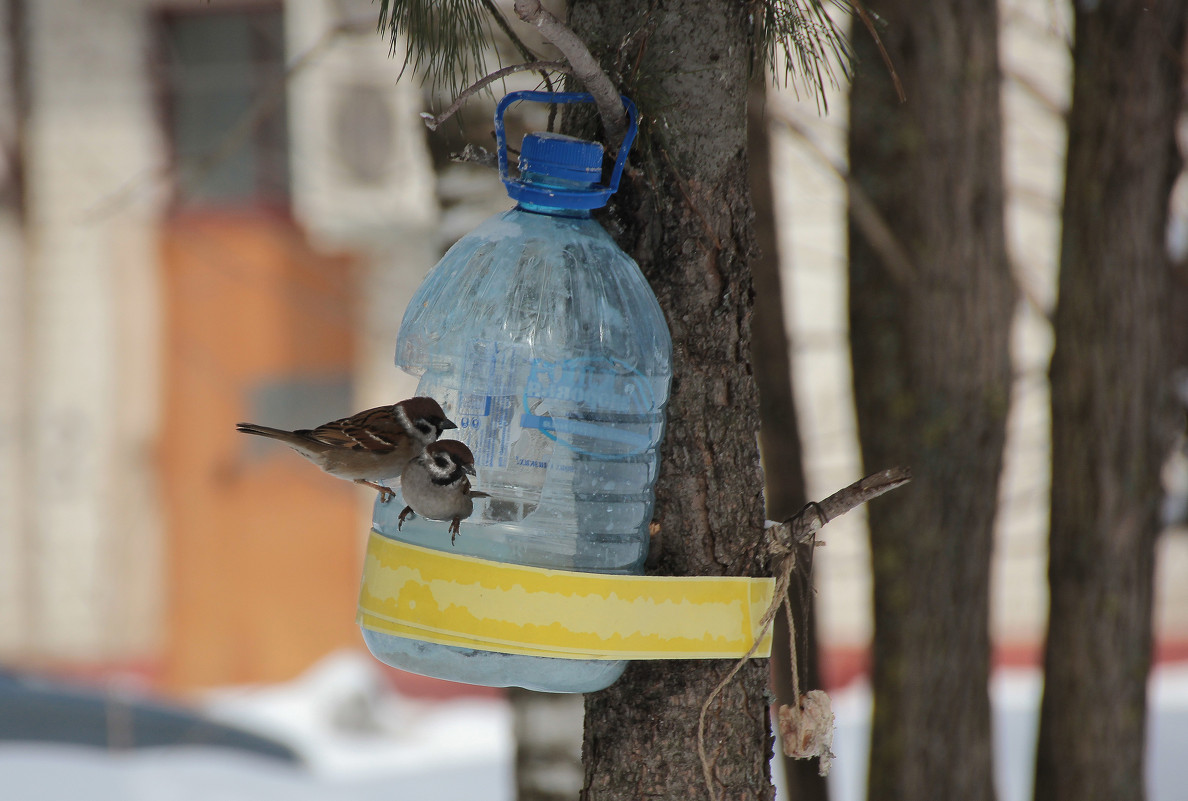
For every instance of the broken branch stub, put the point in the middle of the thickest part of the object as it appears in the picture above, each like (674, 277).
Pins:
(800, 528)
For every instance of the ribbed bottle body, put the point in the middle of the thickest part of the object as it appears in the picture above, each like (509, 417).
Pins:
(543, 342)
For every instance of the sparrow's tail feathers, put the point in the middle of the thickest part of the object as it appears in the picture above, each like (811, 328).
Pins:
(264, 431)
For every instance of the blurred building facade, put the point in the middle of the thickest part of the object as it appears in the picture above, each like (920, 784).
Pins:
(212, 212)
(217, 211)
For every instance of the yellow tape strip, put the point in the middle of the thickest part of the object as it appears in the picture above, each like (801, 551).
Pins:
(450, 599)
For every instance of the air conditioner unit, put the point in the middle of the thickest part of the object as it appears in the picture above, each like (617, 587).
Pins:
(359, 164)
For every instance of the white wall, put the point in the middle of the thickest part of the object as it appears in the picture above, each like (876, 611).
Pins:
(85, 535)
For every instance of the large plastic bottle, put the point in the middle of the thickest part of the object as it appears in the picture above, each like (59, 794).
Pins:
(544, 343)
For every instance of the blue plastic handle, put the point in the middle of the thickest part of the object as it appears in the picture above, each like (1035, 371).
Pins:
(602, 193)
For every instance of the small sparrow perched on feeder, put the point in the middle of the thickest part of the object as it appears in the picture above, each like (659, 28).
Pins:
(367, 447)
(435, 485)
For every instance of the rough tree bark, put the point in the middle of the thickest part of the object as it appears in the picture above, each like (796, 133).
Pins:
(930, 312)
(1110, 426)
(685, 215)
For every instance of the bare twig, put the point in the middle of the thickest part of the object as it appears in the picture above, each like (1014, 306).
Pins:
(585, 67)
(434, 122)
(782, 538)
(803, 526)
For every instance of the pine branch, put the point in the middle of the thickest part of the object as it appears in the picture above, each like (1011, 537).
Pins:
(585, 67)
(811, 42)
(433, 122)
(808, 40)
(444, 41)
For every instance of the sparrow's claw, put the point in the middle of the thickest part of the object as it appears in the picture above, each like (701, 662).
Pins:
(386, 493)
(405, 512)
(454, 524)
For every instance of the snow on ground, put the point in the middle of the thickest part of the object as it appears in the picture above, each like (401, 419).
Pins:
(359, 741)
(362, 742)
(34, 772)
(345, 720)
(1015, 697)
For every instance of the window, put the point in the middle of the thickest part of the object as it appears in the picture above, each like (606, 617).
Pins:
(224, 106)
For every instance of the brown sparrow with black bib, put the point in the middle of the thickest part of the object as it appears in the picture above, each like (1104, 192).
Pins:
(435, 486)
(367, 447)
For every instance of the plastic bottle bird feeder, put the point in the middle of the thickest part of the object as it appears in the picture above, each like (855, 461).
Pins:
(542, 340)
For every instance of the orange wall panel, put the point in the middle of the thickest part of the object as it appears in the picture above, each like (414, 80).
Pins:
(263, 547)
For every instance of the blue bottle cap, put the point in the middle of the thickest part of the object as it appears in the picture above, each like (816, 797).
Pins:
(574, 165)
(559, 156)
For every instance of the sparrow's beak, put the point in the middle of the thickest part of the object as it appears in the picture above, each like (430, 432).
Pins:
(446, 423)
(469, 468)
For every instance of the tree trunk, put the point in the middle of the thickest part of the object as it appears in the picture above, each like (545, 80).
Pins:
(930, 314)
(685, 215)
(1110, 427)
(779, 442)
(779, 435)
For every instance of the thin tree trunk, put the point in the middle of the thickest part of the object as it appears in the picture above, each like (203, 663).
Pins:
(779, 435)
(929, 317)
(779, 441)
(686, 218)
(1109, 397)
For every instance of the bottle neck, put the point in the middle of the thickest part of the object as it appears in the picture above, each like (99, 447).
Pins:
(543, 181)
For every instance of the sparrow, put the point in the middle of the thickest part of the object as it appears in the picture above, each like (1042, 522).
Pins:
(367, 447)
(435, 485)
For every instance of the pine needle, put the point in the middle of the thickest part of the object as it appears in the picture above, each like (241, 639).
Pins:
(444, 41)
(813, 47)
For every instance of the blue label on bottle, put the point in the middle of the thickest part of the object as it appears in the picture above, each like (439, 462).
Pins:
(587, 405)
(489, 402)
(482, 422)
